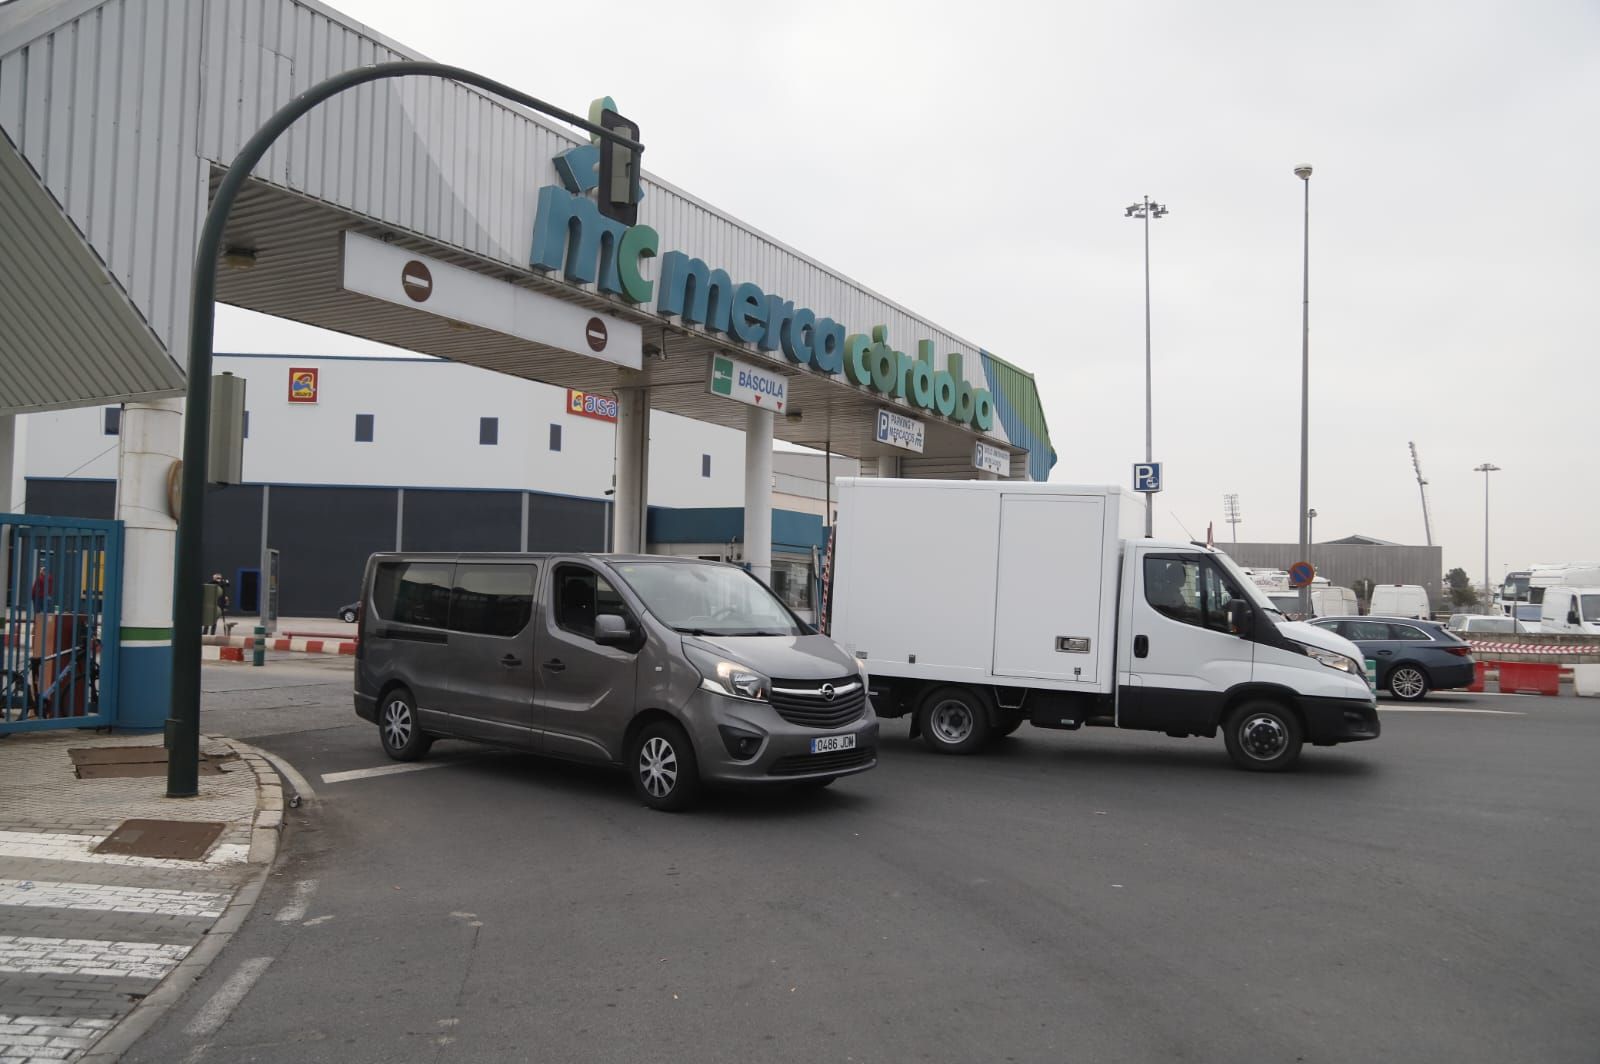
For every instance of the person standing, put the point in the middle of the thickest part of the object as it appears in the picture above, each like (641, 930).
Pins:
(223, 602)
(42, 587)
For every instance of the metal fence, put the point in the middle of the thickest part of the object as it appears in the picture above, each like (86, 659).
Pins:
(60, 620)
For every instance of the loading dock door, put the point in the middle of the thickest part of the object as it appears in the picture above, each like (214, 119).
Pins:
(1048, 587)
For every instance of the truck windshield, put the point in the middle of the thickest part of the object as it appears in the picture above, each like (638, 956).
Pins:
(702, 599)
(1246, 585)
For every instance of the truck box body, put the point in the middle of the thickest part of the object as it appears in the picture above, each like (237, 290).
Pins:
(1029, 571)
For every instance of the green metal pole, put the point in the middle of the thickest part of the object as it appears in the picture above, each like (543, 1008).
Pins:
(183, 727)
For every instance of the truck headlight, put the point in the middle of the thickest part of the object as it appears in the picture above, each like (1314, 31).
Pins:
(1335, 660)
(729, 677)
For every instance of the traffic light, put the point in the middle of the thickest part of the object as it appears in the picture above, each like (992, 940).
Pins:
(619, 171)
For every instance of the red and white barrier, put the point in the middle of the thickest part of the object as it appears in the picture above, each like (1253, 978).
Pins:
(296, 644)
(1529, 678)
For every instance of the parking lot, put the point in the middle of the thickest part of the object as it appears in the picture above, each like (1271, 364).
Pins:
(1086, 896)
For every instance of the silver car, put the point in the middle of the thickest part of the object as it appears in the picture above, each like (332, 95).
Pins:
(681, 671)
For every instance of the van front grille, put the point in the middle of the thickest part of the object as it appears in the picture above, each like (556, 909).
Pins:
(838, 761)
(807, 702)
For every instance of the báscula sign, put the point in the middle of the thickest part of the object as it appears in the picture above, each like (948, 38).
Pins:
(571, 235)
(747, 384)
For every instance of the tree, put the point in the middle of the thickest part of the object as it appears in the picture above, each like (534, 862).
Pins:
(1462, 593)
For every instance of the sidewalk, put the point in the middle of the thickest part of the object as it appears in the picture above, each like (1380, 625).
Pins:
(85, 937)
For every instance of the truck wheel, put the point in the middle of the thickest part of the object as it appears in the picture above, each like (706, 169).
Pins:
(1263, 737)
(1408, 683)
(954, 721)
(662, 764)
(1008, 723)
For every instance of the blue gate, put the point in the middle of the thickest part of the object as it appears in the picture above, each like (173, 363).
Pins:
(60, 622)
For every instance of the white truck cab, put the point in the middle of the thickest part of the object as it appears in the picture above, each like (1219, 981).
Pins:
(977, 606)
(1571, 610)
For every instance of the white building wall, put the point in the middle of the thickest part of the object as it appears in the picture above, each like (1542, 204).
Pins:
(425, 434)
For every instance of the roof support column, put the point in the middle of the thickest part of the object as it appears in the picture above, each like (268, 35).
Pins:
(758, 492)
(633, 463)
(888, 467)
(151, 441)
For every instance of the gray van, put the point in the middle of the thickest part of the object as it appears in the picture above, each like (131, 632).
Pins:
(677, 669)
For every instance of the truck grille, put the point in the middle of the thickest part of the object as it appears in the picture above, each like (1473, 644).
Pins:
(838, 761)
(806, 702)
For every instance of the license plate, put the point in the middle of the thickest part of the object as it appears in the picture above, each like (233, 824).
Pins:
(830, 743)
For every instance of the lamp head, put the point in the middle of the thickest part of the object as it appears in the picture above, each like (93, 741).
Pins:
(1303, 173)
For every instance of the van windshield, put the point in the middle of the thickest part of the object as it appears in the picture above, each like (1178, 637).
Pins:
(702, 599)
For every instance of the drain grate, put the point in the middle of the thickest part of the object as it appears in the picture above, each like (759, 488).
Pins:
(129, 762)
(183, 840)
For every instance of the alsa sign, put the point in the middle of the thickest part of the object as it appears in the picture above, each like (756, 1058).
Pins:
(571, 235)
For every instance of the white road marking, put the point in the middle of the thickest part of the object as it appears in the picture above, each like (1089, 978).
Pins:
(381, 770)
(88, 956)
(295, 911)
(1449, 709)
(51, 846)
(96, 897)
(214, 1013)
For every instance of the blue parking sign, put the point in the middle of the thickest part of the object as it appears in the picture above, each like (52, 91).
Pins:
(1147, 477)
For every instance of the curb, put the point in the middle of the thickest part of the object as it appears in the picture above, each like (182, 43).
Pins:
(211, 644)
(264, 848)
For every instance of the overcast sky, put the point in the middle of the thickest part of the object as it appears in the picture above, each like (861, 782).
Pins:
(972, 161)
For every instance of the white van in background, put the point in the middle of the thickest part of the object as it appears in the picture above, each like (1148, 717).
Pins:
(1400, 600)
(1571, 610)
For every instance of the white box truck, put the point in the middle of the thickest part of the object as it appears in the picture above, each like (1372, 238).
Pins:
(980, 605)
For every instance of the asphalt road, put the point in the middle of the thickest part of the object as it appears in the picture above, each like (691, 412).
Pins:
(1092, 896)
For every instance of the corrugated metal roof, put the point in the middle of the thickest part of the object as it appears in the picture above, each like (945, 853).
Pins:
(68, 335)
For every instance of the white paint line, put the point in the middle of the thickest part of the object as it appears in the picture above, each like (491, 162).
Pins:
(381, 770)
(317, 921)
(1447, 709)
(51, 846)
(295, 911)
(96, 897)
(301, 785)
(35, 955)
(214, 1013)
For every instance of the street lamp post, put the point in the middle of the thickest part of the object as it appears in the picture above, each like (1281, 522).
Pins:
(1144, 211)
(1304, 174)
(1486, 468)
(183, 726)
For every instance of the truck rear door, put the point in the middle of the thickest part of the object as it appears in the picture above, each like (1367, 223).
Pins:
(1049, 586)
(1181, 658)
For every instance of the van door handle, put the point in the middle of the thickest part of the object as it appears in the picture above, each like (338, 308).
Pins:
(1141, 646)
(554, 665)
(511, 661)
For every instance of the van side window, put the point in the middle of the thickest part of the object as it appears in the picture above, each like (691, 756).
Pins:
(413, 593)
(580, 595)
(1188, 590)
(492, 599)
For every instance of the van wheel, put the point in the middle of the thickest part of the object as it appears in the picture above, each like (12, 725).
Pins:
(663, 768)
(954, 720)
(1263, 737)
(402, 739)
(1408, 683)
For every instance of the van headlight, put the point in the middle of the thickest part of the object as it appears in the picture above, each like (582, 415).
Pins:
(1335, 660)
(729, 677)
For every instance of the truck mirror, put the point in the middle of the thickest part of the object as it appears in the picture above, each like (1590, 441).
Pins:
(1241, 618)
(1572, 615)
(610, 630)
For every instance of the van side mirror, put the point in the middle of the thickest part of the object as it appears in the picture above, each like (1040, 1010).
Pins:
(1572, 615)
(611, 630)
(1241, 618)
